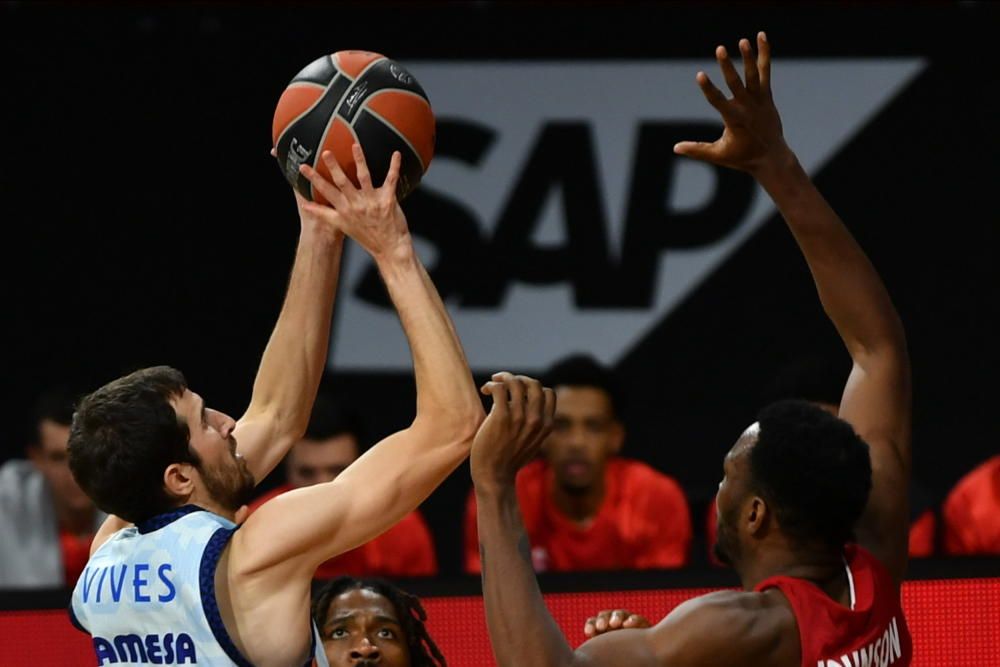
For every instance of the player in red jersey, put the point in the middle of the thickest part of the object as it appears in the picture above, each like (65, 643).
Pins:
(812, 507)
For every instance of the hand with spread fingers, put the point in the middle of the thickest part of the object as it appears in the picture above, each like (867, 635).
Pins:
(369, 215)
(613, 619)
(513, 432)
(752, 140)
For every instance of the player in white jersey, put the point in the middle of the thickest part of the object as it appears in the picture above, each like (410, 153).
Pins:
(174, 578)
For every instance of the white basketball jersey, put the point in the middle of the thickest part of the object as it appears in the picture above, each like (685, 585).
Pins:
(147, 595)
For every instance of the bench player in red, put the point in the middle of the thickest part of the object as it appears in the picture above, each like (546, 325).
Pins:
(812, 508)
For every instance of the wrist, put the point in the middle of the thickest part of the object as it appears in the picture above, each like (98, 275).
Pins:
(398, 260)
(494, 488)
(319, 232)
(780, 166)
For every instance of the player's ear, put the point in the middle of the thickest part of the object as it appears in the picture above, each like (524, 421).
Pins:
(178, 479)
(757, 515)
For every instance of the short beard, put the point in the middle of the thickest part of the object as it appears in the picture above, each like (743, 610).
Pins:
(229, 487)
(726, 549)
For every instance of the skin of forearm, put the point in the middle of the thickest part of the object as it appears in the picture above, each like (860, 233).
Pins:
(522, 630)
(446, 394)
(851, 291)
(293, 361)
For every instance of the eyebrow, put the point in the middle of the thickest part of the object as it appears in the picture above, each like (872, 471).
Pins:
(353, 614)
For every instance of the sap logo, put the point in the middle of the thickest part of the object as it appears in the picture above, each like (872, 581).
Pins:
(556, 217)
(563, 162)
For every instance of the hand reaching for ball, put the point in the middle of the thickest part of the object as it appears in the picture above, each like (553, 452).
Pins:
(369, 215)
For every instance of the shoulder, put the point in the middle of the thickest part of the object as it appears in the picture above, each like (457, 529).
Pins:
(21, 484)
(744, 608)
(268, 496)
(16, 473)
(726, 627)
(745, 627)
(640, 479)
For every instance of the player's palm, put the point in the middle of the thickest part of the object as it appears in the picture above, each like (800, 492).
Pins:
(369, 215)
(753, 136)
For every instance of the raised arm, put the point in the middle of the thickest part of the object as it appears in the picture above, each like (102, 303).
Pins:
(293, 361)
(876, 399)
(722, 628)
(297, 531)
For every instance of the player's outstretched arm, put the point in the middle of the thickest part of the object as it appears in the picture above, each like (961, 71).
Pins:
(716, 629)
(293, 361)
(876, 400)
(297, 531)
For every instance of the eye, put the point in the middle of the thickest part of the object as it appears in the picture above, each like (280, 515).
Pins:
(386, 633)
(338, 633)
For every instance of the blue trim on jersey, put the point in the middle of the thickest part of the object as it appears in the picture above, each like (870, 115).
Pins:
(210, 605)
(312, 646)
(160, 520)
(206, 575)
(76, 622)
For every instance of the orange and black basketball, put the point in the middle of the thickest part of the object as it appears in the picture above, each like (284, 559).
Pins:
(347, 97)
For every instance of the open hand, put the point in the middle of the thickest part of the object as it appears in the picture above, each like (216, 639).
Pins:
(752, 140)
(513, 432)
(608, 620)
(371, 216)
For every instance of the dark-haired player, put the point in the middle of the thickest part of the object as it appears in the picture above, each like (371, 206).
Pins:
(186, 584)
(812, 508)
(367, 622)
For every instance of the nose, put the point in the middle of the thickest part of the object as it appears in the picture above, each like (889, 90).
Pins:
(227, 425)
(365, 650)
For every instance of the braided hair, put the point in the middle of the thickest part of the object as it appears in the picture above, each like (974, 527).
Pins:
(423, 651)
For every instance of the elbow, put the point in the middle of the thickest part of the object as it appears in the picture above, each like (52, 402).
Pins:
(453, 428)
(465, 424)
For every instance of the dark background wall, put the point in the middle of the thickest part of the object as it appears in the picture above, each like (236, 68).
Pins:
(144, 223)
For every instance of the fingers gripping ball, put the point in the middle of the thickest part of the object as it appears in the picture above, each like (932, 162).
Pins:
(347, 97)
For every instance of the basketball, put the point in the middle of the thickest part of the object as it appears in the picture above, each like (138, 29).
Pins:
(348, 97)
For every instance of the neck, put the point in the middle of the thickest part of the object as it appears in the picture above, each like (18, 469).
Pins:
(210, 505)
(579, 506)
(810, 562)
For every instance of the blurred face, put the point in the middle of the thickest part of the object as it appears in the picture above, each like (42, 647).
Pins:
(734, 489)
(363, 630)
(317, 461)
(585, 434)
(51, 458)
(223, 471)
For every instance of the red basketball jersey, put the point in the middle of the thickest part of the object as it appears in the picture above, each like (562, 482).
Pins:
(871, 633)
